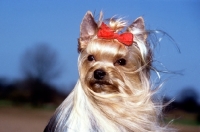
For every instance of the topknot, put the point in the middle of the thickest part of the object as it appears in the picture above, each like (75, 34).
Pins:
(117, 24)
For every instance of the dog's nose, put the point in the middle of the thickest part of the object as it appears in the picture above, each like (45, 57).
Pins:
(99, 74)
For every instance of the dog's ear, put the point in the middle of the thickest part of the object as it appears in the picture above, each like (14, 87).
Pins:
(88, 29)
(138, 29)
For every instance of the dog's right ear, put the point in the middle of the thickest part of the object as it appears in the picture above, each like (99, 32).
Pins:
(138, 29)
(88, 29)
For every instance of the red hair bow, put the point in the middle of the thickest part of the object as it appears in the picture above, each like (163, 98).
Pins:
(106, 33)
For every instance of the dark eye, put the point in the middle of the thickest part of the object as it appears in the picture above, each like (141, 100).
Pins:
(121, 62)
(91, 58)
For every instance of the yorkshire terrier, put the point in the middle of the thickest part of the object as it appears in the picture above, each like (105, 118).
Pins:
(114, 92)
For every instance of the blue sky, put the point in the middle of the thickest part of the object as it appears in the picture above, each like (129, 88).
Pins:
(23, 23)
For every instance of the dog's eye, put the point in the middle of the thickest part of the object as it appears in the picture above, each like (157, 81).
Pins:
(121, 62)
(91, 58)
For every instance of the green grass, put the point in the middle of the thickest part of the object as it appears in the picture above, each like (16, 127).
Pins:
(5, 103)
(8, 103)
(183, 122)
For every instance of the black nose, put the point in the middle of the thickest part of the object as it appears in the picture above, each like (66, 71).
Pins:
(99, 74)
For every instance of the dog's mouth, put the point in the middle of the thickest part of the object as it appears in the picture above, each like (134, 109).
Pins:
(103, 87)
(101, 83)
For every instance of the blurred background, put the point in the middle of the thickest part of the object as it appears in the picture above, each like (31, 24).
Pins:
(38, 56)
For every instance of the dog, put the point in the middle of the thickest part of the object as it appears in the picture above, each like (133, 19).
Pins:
(114, 92)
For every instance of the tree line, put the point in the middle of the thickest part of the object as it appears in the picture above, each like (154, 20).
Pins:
(39, 66)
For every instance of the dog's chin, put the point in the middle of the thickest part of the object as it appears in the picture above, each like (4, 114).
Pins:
(103, 86)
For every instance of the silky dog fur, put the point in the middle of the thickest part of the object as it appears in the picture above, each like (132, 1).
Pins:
(114, 92)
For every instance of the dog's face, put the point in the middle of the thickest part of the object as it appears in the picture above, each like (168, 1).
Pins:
(106, 66)
(109, 66)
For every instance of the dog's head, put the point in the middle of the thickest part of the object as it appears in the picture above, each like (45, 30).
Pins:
(110, 65)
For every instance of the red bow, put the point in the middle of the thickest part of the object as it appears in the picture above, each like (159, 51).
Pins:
(106, 33)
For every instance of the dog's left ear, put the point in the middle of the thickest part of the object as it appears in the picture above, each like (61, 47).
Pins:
(138, 29)
(88, 29)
